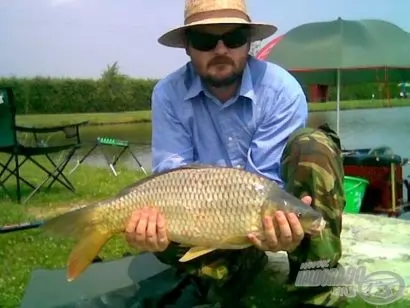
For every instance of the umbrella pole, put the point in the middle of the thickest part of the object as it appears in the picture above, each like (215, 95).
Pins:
(338, 103)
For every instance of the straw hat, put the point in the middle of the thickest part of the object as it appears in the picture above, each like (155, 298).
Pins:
(206, 12)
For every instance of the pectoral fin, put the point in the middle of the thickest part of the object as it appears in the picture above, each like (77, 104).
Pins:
(195, 252)
(236, 242)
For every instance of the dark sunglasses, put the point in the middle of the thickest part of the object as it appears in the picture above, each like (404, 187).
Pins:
(206, 41)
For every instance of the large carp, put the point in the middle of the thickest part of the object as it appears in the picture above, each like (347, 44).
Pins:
(205, 207)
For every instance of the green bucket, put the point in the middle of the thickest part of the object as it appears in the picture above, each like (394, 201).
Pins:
(355, 189)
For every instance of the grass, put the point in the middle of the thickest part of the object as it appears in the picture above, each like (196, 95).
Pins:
(22, 252)
(141, 116)
(145, 115)
(360, 104)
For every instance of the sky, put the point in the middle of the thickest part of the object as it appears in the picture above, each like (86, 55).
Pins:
(79, 38)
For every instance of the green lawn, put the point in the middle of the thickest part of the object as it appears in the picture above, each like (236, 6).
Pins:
(21, 252)
(145, 115)
(94, 118)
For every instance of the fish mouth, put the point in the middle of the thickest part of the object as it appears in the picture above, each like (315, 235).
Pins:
(317, 226)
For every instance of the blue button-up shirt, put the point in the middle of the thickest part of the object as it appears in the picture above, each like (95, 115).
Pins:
(250, 131)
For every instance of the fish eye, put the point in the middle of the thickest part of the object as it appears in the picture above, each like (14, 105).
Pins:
(298, 214)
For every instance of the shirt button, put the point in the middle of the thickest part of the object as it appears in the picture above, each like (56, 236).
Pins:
(230, 138)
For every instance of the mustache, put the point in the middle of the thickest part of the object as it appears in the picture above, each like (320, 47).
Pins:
(220, 60)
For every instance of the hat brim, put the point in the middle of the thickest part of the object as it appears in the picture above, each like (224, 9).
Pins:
(175, 37)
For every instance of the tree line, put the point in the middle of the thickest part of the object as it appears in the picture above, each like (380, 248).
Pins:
(113, 92)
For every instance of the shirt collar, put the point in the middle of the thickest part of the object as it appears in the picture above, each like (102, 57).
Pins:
(196, 87)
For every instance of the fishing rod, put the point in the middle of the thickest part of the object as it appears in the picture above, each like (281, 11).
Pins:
(28, 225)
(20, 226)
(36, 224)
(33, 225)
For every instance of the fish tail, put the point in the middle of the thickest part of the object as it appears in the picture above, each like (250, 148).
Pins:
(85, 251)
(85, 224)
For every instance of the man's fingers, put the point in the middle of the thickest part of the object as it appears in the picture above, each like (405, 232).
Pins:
(161, 233)
(141, 229)
(285, 232)
(132, 223)
(255, 241)
(151, 233)
(271, 240)
(146, 230)
(130, 228)
(295, 227)
(307, 200)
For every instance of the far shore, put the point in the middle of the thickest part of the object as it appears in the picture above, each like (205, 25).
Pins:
(144, 116)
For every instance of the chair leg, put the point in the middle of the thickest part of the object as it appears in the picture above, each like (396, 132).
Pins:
(5, 167)
(17, 173)
(55, 174)
(13, 172)
(2, 186)
(59, 171)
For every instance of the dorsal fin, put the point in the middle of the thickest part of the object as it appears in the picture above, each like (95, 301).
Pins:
(197, 166)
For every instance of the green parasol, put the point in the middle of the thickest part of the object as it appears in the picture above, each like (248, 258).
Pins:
(344, 51)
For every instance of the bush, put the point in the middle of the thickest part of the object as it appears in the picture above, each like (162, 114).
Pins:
(113, 92)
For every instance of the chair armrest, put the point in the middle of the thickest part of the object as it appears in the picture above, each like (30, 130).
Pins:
(48, 129)
(70, 130)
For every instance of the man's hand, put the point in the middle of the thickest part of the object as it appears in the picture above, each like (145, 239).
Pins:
(146, 231)
(290, 231)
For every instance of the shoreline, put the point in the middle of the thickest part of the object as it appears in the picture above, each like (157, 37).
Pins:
(144, 116)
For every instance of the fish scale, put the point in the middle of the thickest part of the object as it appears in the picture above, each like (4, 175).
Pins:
(205, 208)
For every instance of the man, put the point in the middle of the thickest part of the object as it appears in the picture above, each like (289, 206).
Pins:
(227, 108)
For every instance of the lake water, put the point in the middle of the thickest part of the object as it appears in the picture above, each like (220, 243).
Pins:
(358, 129)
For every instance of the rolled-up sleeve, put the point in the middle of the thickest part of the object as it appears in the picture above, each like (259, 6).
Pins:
(282, 115)
(171, 142)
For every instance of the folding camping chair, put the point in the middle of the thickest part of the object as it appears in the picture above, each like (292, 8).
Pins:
(123, 145)
(13, 149)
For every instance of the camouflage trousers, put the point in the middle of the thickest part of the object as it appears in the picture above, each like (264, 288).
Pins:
(311, 165)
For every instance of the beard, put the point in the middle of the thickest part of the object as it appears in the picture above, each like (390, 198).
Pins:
(226, 81)
(222, 82)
